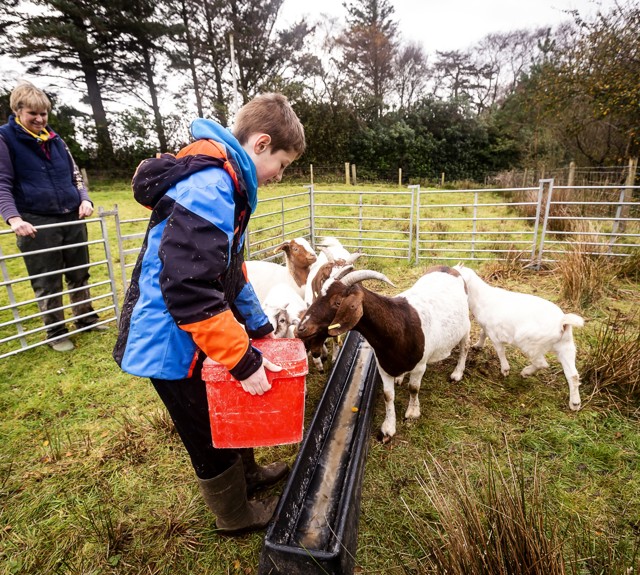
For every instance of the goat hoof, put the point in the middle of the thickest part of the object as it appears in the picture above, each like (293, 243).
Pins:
(456, 376)
(505, 372)
(575, 406)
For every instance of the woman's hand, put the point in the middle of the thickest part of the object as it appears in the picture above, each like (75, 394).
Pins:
(257, 383)
(22, 228)
(85, 210)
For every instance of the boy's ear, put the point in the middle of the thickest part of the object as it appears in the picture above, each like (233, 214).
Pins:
(261, 143)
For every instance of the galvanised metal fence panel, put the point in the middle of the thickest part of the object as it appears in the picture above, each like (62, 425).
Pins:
(21, 327)
(276, 220)
(130, 233)
(380, 224)
(598, 220)
(477, 224)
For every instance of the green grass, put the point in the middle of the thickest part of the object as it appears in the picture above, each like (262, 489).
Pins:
(94, 481)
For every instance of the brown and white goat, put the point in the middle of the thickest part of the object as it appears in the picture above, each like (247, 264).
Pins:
(299, 257)
(418, 326)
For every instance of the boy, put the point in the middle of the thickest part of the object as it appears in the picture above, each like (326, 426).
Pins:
(189, 297)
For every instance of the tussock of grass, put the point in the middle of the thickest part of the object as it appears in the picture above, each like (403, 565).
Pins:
(612, 365)
(585, 276)
(493, 525)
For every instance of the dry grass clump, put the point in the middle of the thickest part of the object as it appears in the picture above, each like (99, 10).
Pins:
(513, 267)
(492, 526)
(585, 272)
(629, 267)
(613, 362)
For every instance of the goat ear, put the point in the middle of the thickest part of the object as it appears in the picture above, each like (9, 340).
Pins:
(348, 314)
(281, 248)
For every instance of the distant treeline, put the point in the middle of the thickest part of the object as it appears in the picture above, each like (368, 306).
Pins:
(516, 99)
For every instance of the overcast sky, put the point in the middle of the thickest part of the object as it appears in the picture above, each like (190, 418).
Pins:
(457, 24)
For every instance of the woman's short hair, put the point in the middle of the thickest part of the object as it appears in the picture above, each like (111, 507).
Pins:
(26, 95)
(271, 114)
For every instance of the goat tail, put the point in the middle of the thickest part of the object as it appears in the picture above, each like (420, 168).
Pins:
(572, 319)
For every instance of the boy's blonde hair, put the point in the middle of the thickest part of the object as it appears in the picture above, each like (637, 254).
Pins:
(26, 95)
(271, 114)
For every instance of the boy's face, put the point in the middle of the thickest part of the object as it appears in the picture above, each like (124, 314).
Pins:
(269, 165)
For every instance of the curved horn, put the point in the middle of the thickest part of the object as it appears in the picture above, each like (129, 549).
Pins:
(360, 275)
(327, 253)
(339, 273)
(353, 257)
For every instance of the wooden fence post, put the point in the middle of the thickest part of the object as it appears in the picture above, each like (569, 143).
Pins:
(442, 179)
(628, 192)
(346, 173)
(354, 180)
(572, 174)
(399, 177)
(311, 174)
(85, 178)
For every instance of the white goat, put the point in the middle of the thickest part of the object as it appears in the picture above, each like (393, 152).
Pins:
(331, 251)
(284, 307)
(417, 327)
(532, 324)
(299, 256)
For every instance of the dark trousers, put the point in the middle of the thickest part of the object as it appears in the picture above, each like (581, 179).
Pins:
(186, 401)
(58, 259)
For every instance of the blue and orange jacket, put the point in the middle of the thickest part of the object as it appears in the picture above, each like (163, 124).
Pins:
(189, 296)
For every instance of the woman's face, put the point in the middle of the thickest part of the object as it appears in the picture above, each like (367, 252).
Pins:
(33, 120)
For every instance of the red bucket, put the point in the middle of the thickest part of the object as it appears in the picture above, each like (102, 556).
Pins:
(239, 419)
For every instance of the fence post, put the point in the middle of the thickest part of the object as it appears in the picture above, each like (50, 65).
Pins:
(417, 188)
(354, 180)
(525, 177)
(546, 217)
(442, 179)
(312, 217)
(311, 173)
(536, 223)
(572, 174)
(346, 173)
(12, 300)
(399, 177)
(473, 226)
(107, 251)
(360, 223)
(628, 191)
(411, 219)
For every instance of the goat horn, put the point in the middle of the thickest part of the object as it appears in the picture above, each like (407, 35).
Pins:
(353, 257)
(341, 272)
(361, 275)
(327, 253)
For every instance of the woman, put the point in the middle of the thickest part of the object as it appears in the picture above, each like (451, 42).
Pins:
(40, 184)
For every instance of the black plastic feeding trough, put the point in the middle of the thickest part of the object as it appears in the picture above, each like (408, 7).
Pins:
(315, 529)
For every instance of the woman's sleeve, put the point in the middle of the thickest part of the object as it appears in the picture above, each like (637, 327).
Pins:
(78, 180)
(8, 207)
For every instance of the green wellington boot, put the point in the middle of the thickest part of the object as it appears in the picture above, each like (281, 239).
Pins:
(226, 496)
(260, 476)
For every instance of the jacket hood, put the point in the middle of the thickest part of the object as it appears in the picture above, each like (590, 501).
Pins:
(208, 129)
(155, 176)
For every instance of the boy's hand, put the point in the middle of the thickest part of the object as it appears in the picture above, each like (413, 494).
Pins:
(257, 383)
